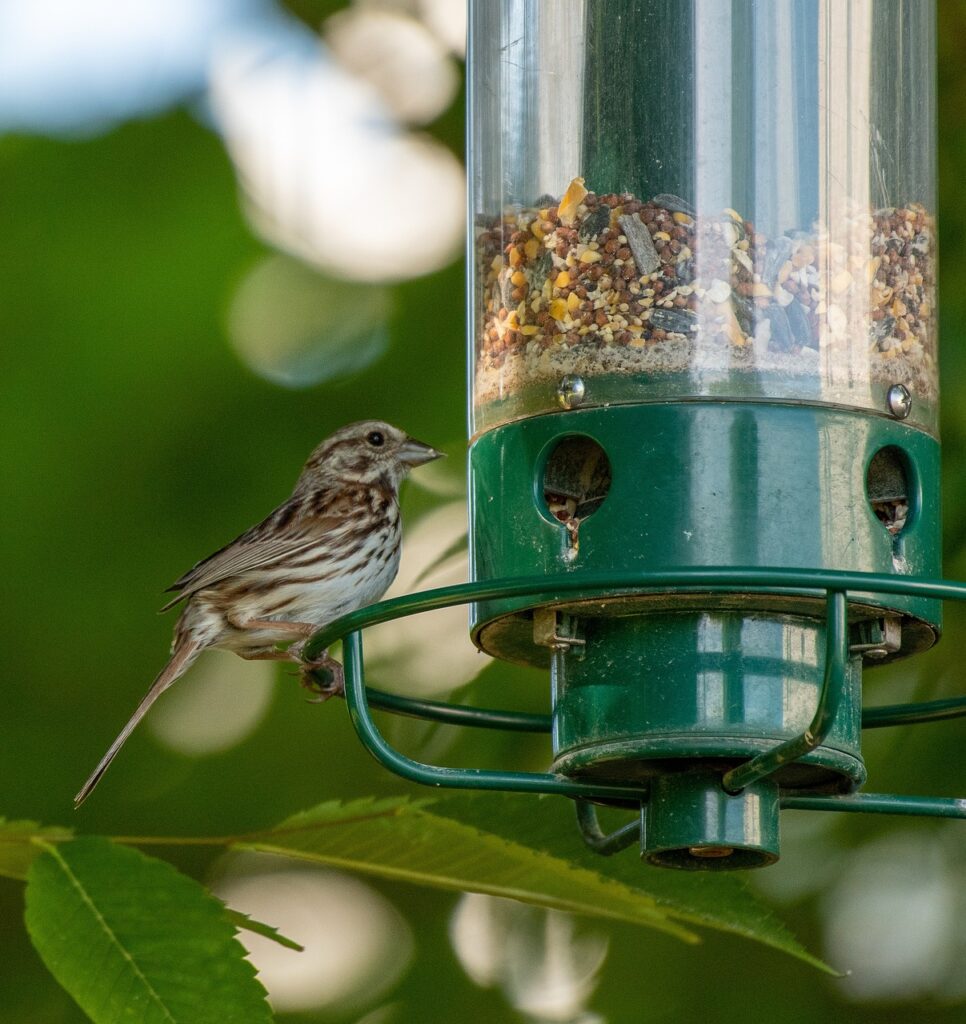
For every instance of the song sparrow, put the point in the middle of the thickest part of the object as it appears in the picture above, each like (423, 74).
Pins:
(331, 548)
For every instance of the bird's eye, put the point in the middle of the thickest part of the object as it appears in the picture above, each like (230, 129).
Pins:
(376, 439)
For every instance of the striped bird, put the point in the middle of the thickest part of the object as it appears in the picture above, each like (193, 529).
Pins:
(332, 547)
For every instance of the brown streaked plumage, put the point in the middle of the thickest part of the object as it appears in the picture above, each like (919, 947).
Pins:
(332, 547)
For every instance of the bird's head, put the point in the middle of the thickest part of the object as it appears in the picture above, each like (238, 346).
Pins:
(367, 452)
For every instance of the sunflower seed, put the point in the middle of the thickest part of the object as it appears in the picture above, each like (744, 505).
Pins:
(744, 312)
(673, 203)
(543, 265)
(776, 255)
(640, 242)
(921, 243)
(675, 321)
(506, 287)
(800, 327)
(594, 223)
(781, 334)
(883, 328)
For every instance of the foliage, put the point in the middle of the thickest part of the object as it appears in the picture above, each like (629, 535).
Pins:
(131, 938)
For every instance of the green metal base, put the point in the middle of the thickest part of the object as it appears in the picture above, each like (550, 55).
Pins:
(699, 484)
(645, 693)
(691, 822)
(715, 701)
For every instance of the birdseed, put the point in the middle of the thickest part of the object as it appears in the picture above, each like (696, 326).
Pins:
(610, 284)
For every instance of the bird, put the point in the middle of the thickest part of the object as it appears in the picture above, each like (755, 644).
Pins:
(330, 548)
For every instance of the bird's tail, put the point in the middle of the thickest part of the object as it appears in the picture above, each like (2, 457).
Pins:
(184, 654)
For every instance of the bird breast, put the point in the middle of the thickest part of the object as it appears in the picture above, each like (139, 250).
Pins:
(348, 569)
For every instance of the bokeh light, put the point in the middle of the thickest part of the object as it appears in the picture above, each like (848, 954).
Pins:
(432, 654)
(328, 175)
(82, 67)
(447, 20)
(357, 946)
(218, 704)
(299, 328)
(545, 965)
(402, 60)
(895, 919)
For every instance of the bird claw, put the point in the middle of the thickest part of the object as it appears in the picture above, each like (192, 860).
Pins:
(334, 684)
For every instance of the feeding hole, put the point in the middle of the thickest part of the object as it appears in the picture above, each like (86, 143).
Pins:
(887, 488)
(576, 479)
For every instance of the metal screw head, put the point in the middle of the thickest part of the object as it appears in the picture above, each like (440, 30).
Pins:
(899, 401)
(876, 652)
(571, 391)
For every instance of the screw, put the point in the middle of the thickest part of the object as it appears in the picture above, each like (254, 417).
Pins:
(877, 652)
(571, 391)
(899, 401)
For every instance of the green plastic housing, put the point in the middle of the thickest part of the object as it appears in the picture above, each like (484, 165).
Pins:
(671, 690)
(691, 823)
(704, 484)
(649, 693)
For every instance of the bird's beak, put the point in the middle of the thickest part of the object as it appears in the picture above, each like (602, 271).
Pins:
(415, 453)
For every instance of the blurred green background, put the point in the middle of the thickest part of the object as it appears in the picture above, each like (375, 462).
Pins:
(165, 373)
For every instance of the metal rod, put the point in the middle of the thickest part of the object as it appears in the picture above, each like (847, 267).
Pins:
(912, 714)
(594, 836)
(532, 722)
(522, 721)
(613, 584)
(458, 714)
(454, 778)
(805, 581)
(833, 682)
(880, 803)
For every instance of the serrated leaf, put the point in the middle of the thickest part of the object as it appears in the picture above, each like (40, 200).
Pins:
(411, 842)
(18, 847)
(267, 931)
(522, 848)
(133, 940)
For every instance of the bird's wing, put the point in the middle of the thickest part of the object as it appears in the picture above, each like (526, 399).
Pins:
(283, 533)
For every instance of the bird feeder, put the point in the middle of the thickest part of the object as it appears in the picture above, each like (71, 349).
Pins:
(704, 463)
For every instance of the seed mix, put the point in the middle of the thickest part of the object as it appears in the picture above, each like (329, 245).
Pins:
(595, 284)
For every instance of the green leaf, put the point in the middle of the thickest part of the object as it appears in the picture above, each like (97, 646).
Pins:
(133, 940)
(18, 847)
(521, 848)
(720, 900)
(268, 931)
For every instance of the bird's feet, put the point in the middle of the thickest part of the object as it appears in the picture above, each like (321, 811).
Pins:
(322, 677)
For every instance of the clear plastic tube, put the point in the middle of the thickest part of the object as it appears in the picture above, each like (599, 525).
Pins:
(676, 199)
